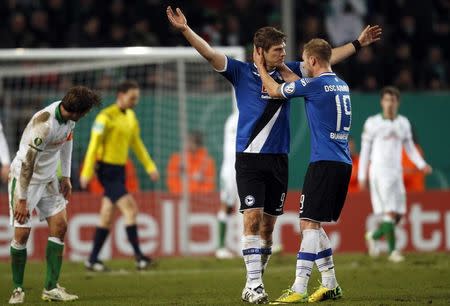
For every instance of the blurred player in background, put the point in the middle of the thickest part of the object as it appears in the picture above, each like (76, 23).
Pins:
(353, 186)
(382, 140)
(328, 109)
(413, 177)
(229, 197)
(262, 140)
(114, 132)
(200, 168)
(4, 156)
(33, 185)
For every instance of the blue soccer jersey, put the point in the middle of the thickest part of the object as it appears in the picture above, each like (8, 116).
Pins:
(263, 125)
(329, 112)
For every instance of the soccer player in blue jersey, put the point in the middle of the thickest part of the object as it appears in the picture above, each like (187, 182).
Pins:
(262, 141)
(329, 113)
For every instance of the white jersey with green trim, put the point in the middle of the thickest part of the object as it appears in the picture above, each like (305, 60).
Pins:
(48, 135)
(381, 145)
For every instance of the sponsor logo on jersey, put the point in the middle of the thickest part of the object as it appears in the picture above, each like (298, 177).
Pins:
(249, 200)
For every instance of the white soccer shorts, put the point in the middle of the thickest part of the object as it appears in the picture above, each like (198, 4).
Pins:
(45, 198)
(387, 192)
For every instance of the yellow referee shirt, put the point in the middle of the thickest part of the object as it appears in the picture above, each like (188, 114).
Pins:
(113, 133)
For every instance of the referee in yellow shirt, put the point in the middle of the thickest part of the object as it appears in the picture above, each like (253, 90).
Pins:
(115, 131)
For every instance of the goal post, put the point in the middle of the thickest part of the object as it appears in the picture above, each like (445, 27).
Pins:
(181, 95)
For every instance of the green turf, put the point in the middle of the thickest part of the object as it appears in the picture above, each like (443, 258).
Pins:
(423, 279)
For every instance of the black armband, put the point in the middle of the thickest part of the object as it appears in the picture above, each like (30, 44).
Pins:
(357, 45)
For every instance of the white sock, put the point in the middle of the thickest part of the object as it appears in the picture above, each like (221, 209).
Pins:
(18, 246)
(305, 259)
(251, 249)
(266, 251)
(324, 261)
(55, 240)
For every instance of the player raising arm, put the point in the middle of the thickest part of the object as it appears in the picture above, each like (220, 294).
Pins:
(33, 184)
(262, 141)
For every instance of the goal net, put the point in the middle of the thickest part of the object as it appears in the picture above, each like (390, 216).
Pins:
(183, 105)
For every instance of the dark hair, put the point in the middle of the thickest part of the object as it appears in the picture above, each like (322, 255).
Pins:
(391, 90)
(80, 99)
(319, 48)
(196, 137)
(267, 37)
(127, 85)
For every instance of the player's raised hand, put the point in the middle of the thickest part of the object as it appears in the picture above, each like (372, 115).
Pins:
(66, 187)
(370, 35)
(21, 213)
(177, 18)
(258, 57)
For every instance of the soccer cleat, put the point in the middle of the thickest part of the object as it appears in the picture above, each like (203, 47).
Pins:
(372, 245)
(58, 294)
(143, 262)
(224, 253)
(322, 294)
(17, 297)
(255, 296)
(96, 266)
(289, 296)
(396, 257)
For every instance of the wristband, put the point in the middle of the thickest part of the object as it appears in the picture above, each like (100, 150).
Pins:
(357, 45)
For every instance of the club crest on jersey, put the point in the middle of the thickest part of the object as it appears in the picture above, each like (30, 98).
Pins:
(290, 87)
(37, 141)
(249, 200)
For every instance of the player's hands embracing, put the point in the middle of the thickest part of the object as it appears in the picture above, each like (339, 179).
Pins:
(177, 19)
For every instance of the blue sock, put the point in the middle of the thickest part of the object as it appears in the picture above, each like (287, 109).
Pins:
(99, 239)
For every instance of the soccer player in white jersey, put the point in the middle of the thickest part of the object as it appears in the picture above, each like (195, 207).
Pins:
(383, 137)
(228, 190)
(4, 156)
(46, 140)
(263, 139)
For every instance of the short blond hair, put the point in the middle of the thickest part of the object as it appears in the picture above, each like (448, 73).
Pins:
(319, 48)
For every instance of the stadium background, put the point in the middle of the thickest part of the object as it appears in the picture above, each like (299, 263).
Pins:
(413, 55)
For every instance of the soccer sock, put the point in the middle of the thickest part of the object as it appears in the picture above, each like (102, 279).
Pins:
(382, 229)
(54, 254)
(251, 249)
(18, 260)
(222, 218)
(99, 239)
(266, 251)
(390, 237)
(324, 261)
(134, 240)
(305, 259)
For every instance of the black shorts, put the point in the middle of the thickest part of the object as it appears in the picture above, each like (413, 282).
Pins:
(112, 178)
(324, 190)
(262, 181)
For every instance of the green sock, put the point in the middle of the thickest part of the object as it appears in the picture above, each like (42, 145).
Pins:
(222, 232)
(54, 262)
(382, 230)
(18, 261)
(390, 237)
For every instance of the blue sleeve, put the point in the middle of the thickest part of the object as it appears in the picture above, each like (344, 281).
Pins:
(232, 70)
(300, 88)
(295, 67)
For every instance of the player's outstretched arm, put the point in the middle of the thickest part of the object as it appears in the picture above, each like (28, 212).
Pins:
(179, 22)
(368, 36)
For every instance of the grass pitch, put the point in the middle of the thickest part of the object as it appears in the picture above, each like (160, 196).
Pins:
(424, 279)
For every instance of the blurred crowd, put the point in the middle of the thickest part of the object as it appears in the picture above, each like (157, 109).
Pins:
(414, 52)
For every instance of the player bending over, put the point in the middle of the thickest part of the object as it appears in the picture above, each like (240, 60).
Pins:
(33, 184)
(115, 131)
(382, 140)
(328, 109)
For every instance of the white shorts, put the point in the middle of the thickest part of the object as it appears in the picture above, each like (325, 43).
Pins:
(45, 198)
(387, 192)
(228, 189)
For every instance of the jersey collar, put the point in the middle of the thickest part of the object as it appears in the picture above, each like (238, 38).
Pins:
(327, 73)
(58, 115)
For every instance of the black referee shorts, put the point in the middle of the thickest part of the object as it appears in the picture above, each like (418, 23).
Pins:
(112, 178)
(324, 190)
(262, 181)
